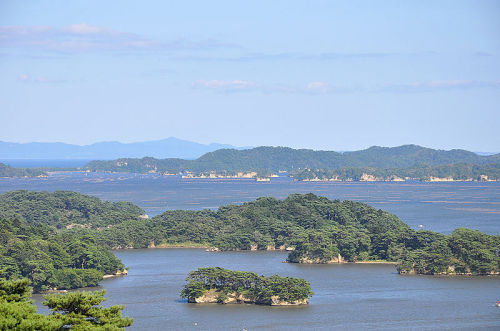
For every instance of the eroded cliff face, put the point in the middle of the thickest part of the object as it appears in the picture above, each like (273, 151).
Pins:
(118, 273)
(317, 260)
(213, 296)
(449, 272)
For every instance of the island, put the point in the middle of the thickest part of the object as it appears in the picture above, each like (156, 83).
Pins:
(64, 240)
(50, 239)
(223, 286)
(439, 173)
(407, 162)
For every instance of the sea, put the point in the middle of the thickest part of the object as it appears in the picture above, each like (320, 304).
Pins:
(347, 296)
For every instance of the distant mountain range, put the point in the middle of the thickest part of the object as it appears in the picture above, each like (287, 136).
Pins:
(165, 148)
(266, 160)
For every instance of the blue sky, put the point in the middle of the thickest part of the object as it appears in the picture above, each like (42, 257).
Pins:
(336, 75)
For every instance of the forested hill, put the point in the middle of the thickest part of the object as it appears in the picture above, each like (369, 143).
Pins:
(65, 209)
(8, 171)
(273, 159)
(62, 239)
(318, 229)
(32, 246)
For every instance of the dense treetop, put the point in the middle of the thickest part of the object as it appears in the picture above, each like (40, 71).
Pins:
(318, 228)
(76, 311)
(259, 289)
(32, 246)
(36, 241)
(63, 208)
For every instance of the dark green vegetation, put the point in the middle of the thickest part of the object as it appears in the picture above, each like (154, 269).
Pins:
(457, 171)
(35, 243)
(8, 171)
(319, 229)
(266, 160)
(65, 209)
(463, 252)
(233, 286)
(76, 311)
(62, 239)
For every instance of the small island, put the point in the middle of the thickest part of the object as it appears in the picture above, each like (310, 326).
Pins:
(219, 285)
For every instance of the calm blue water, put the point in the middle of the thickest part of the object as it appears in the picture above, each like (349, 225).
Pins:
(347, 296)
(439, 207)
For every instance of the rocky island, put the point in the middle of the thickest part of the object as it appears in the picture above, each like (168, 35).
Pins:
(223, 286)
(62, 240)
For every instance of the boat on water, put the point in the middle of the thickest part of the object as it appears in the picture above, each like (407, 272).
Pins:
(498, 303)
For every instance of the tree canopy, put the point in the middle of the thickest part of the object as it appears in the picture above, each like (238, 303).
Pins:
(273, 159)
(259, 289)
(77, 310)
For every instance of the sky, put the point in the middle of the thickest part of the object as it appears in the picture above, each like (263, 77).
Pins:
(331, 75)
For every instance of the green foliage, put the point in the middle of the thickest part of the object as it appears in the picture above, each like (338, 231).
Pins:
(65, 209)
(265, 160)
(478, 253)
(78, 311)
(318, 228)
(464, 252)
(34, 243)
(260, 288)
(81, 311)
(7, 171)
(16, 310)
(67, 259)
(423, 172)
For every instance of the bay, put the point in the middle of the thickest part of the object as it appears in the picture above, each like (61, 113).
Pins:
(440, 207)
(347, 296)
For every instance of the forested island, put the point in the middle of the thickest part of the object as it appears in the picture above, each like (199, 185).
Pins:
(218, 285)
(448, 172)
(63, 239)
(8, 171)
(408, 162)
(36, 240)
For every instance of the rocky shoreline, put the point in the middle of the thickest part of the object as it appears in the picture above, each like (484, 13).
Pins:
(214, 296)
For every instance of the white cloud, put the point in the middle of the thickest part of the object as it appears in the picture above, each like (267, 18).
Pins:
(28, 78)
(84, 28)
(317, 87)
(84, 37)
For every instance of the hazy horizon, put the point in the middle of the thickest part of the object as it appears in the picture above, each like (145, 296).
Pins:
(232, 145)
(323, 75)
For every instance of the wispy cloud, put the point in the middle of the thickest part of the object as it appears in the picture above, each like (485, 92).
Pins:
(483, 54)
(84, 38)
(439, 85)
(251, 86)
(27, 78)
(251, 57)
(226, 86)
(320, 87)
